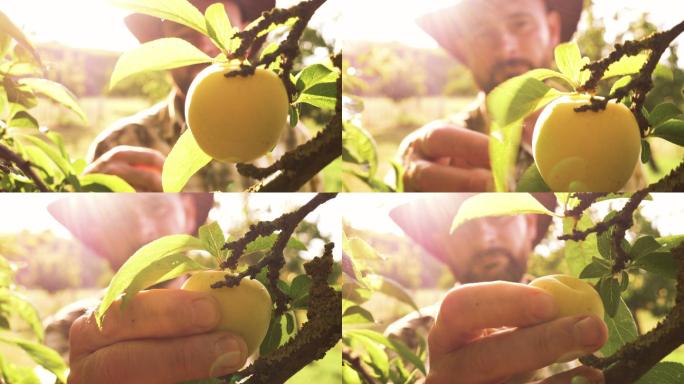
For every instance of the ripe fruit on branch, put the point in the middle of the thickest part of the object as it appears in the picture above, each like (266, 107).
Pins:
(245, 309)
(573, 296)
(586, 151)
(236, 119)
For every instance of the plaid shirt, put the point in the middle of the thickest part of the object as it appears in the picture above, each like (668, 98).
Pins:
(160, 126)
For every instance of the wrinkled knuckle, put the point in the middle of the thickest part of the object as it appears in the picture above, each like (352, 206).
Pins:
(455, 302)
(182, 359)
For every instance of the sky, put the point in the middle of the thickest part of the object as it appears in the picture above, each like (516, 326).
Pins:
(96, 24)
(360, 21)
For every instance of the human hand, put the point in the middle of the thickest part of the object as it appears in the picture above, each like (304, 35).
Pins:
(138, 166)
(164, 336)
(445, 158)
(491, 332)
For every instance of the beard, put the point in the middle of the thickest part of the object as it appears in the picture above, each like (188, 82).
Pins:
(506, 70)
(494, 264)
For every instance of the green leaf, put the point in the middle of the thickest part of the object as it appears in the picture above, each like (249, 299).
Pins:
(644, 246)
(358, 147)
(609, 289)
(213, 239)
(645, 151)
(23, 119)
(315, 74)
(672, 131)
(532, 181)
(623, 81)
(17, 374)
(218, 25)
(597, 268)
(662, 113)
(349, 375)
(56, 92)
(184, 160)
(180, 11)
(400, 348)
(11, 302)
(273, 336)
(578, 254)
(357, 315)
(159, 271)
(569, 60)
(263, 243)
(53, 154)
(44, 356)
(494, 204)
(377, 358)
(665, 372)
(627, 65)
(390, 288)
(293, 114)
(8, 27)
(518, 97)
(300, 287)
(165, 53)
(358, 249)
(660, 263)
(321, 95)
(100, 182)
(621, 329)
(141, 259)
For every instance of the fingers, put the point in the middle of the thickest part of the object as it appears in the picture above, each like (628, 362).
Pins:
(590, 375)
(140, 167)
(436, 141)
(150, 314)
(425, 176)
(162, 361)
(141, 179)
(470, 308)
(504, 354)
(136, 155)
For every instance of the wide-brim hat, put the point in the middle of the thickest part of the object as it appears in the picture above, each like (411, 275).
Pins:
(440, 24)
(147, 28)
(428, 218)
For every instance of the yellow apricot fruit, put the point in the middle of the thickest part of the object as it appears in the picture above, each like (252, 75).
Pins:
(573, 296)
(585, 151)
(245, 309)
(236, 119)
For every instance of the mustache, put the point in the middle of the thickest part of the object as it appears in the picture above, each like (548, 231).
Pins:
(494, 251)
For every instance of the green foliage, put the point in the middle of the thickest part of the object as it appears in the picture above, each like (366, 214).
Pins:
(14, 305)
(21, 82)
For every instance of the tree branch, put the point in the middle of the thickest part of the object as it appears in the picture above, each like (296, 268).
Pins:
(24, 166)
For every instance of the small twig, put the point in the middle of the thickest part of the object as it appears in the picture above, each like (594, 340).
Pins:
(274, 260)
(304, 162)
(641, 83)
(624, 217)
(319, 334)
(636, 358)
(24, 166)
(586, 201)
(355, 363)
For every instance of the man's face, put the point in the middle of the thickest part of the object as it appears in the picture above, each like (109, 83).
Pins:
(502, 39)
(492, 248)
(183, 76)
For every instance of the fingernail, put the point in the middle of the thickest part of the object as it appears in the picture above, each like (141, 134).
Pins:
(229, 356)
(543, 307)
(204, 313)
(587, 332)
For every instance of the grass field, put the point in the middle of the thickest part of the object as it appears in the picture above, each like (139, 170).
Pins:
(390, 122)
